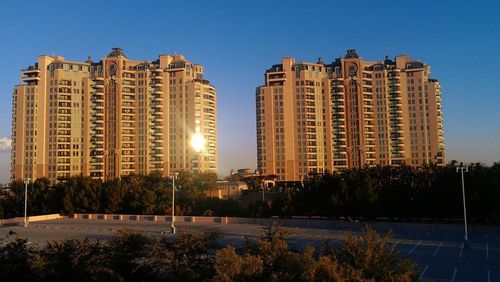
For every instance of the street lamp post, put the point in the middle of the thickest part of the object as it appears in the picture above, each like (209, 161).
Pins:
(263, 191)
(174, 177)
(26, 181)
(461, 169)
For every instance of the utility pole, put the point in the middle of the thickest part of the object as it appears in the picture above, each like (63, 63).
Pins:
(26, 181)
(174, 177)
(263, 191)
(461, 169)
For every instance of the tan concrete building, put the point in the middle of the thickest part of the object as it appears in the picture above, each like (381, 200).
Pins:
(227, 190)
(294, 124)
(113, 117)
(317, 117)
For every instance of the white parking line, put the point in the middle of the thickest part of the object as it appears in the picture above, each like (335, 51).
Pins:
(437, 249)
(461, 250)
(454, 274)
(487, 252)
(423, 272)
(413, 249)
(488, 275)
(395, 245)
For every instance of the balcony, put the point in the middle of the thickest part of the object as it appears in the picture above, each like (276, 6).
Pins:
(99, 84)
(156, 75)
(394, 82)
(128, 132)
(339, 136)
(31, 70)
(158, 153)
(97, 119)
(395, 109)
(338, 90)
(396, 129)
(64, 105)
(157, 83)
(338, 117)
(157, 147)
(63, 98)
(30, 78)
(97, 100)
(128, 112)
(275, 79)
(395, 96)
(128, 90)
(128, 105)
(396, 136)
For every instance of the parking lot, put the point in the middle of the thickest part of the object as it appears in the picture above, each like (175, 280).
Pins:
(438, 249)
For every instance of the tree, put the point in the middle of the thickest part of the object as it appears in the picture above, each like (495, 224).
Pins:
(371, 257)
(113, 196)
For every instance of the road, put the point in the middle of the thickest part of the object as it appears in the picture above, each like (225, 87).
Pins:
(439, 251)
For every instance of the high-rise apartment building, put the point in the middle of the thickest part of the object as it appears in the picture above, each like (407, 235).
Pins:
(294, 124)
(112, 118)
(317, 117)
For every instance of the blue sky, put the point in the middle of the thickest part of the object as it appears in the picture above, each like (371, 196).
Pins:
(237, 40)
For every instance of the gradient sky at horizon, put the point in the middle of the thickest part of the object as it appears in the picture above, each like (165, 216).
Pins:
(237, 41)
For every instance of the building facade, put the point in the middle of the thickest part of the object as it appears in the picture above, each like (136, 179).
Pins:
(317, 117)
(112, 118)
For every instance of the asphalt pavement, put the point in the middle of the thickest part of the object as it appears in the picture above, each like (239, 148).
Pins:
(438, 249)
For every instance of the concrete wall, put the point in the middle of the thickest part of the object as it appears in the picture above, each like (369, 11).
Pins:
(302, 222)
(152, 218)
(31, 218)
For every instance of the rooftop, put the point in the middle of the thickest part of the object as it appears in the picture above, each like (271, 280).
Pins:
(116, 53)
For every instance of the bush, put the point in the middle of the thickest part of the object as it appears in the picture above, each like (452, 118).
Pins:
(131, 256)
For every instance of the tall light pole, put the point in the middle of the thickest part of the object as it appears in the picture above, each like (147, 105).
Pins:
(174, 177)
(461, 169)
(26, 181)
(263, 190)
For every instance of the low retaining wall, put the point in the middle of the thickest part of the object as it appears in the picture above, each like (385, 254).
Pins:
(152, 218)
(301, 222)
(35, 218)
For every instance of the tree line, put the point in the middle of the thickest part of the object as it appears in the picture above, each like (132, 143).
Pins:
(131, 256)
(402, 192)
(133, 194)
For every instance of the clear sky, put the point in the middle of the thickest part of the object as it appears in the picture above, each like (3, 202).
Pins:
(237, 40)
